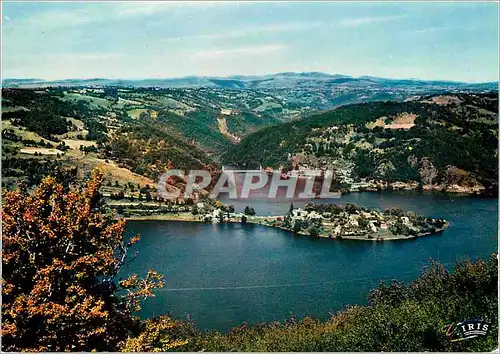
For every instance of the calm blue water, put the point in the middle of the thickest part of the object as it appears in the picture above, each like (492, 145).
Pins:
(223, 275)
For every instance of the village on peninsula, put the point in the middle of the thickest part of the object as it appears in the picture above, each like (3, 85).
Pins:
(334, 221)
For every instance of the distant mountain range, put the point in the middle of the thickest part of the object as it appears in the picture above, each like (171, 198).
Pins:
(271, 81)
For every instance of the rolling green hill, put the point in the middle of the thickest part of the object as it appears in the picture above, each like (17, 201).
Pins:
(448, 140)
(51, 130)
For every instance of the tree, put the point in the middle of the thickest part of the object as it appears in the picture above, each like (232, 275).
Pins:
(155, 336)
(62, 146)
(297, 226)
(362, 221)
(439, 223)
(287, 220)
(351, 208)
(61, 255)
(249, 211)
(314, 232)
(396, 211)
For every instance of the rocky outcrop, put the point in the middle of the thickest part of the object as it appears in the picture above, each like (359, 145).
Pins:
(428, 172)
(458, 180)
(455, 175)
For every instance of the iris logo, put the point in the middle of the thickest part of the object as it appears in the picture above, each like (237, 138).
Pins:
(466, 330)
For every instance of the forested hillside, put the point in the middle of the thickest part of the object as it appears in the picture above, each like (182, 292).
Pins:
(450, 139)
(143, 130)
(53, 131)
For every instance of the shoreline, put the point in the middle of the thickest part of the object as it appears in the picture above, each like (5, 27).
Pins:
(188, 217)
(455, 190)
(387, 186)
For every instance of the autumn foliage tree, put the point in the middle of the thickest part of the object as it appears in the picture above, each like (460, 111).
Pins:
(61, 256)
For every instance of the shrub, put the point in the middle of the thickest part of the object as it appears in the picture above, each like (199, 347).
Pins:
(399, 317)
(60, 257)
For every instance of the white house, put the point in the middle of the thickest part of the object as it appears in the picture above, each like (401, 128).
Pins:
(313, 215)
(299, 212)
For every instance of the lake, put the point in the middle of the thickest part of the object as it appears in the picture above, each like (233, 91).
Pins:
(224, 275)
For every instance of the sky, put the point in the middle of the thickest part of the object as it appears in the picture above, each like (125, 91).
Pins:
(130, 40)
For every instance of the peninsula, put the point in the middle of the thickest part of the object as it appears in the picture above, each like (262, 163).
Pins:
(332, 221)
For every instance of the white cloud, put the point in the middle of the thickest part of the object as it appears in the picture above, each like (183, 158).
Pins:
(145, 8)
(356, 22)
(431, 29)
(95, 12)
(249, 31)
(62, 65)
(130, 9)
(231, 53)
(53, 19)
